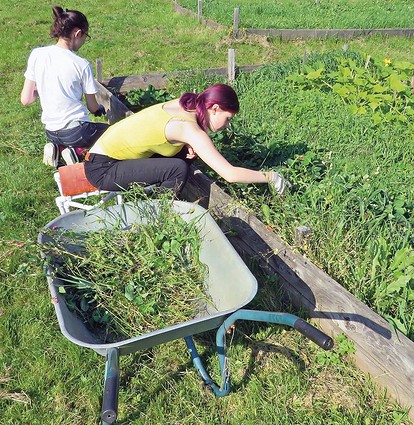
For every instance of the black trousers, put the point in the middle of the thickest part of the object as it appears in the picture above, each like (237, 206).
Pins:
(107, 173)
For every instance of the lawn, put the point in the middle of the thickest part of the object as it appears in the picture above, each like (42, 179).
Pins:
(278, 376)
(322, 14)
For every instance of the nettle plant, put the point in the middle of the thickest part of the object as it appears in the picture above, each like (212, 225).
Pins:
(382, 90)
(394, 281)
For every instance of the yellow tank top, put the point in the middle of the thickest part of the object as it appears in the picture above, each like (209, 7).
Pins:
(140, 135)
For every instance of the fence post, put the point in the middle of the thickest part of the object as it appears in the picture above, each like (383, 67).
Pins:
(99, 70)
(236, 20)
(231, 67)
(200, 10)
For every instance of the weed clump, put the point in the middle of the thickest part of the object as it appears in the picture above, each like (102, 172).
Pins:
(126, 281)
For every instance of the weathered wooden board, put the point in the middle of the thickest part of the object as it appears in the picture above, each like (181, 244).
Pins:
(160, 81)
(292, 34)
(387, 356)
(208, 22)
(115, 109)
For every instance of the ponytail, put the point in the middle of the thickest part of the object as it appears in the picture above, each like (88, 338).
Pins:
(65, 21)
(221, 94)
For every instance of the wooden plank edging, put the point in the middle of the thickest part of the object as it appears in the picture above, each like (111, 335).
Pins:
(115, 109)
(160, 80)
(184, 11)
(387, 356)
(292, 34)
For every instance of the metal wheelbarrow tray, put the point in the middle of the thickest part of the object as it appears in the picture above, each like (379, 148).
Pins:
(230, 285)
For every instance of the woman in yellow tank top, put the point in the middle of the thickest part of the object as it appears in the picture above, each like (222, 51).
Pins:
(156, 145)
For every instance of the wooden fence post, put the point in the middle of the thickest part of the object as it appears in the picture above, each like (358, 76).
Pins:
(236, 20)
(200, 10)
(99, 70)
(231, 67)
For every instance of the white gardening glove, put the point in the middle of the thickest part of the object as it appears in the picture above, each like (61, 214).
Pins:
(279, 183)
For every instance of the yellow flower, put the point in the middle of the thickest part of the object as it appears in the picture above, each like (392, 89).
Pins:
(387, 61)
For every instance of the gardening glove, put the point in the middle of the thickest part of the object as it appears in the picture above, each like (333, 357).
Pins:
(100, 111)
(279, 183)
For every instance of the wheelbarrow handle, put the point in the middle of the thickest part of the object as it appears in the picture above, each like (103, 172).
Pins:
(305, 328)
(314, 334)
(111, 388)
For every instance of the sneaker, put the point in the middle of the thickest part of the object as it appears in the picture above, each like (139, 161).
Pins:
(50, 154)
(69, 156)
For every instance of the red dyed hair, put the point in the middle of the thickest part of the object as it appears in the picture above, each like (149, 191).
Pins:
(221, 94)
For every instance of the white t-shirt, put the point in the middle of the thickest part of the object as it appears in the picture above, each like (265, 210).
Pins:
(62, 77)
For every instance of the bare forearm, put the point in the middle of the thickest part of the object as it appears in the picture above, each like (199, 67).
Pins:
(245, 175)
(29, 93)
(91, 103)
(273, 178)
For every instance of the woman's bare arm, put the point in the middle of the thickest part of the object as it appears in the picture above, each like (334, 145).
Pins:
(29, 93)
(191, 134)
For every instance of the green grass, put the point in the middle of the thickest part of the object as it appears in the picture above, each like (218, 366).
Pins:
(351, 176)
(45, 379)
(321, 14)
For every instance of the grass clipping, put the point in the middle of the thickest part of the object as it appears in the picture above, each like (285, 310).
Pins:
(124, 282)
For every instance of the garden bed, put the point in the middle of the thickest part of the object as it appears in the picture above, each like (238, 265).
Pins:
(159, 81)
(288, 32)
(387, 355)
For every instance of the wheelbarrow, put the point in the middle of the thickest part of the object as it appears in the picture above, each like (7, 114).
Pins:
(230, 285)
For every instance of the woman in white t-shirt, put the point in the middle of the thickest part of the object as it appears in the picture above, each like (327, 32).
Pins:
(60, 78)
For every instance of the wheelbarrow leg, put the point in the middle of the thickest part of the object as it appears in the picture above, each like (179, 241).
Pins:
(111, 388)
(218, 391)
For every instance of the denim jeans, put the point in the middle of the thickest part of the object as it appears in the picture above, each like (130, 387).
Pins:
(84, 135)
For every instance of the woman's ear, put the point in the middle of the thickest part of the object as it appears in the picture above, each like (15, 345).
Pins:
(77, 33)
(215, 108)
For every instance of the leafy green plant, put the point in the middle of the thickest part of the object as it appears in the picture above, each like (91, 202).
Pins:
(306, 168)
(343, 347)
(138, 99)
(394, 276)
(351, 178)
(381, 90)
